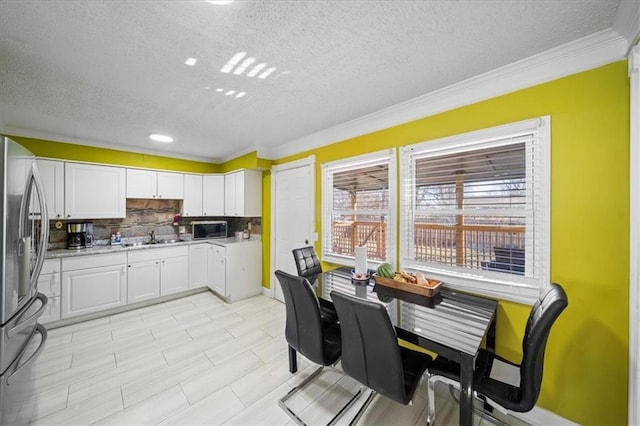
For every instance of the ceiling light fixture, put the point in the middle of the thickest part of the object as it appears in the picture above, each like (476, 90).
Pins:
(160, 138)
(243, 66)
(230, 92)
(241, 94)
(233, 62)
(256, 70)
(219, 89)
(219, 2)
(191, 61)
(267, 73)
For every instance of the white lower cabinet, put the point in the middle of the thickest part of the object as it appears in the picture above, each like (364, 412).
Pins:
(216, 273)
(198, 255)
(49, 285)
(157, 272)
(93, 283)
(235, 270)
(143, 280)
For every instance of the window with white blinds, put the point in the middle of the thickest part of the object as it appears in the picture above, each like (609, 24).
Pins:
(474, 210)
(358, 201)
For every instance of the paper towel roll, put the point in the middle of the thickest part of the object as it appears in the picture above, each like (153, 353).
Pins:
(361, 260)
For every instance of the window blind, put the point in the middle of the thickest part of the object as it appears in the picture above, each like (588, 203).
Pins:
(359, 196)
(475, 210)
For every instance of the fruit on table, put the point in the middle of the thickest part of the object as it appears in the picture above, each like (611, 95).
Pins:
(385, 270)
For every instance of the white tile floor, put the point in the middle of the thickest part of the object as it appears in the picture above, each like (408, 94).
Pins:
(195, 361)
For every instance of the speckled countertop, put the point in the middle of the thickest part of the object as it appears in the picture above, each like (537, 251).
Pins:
(105, 249)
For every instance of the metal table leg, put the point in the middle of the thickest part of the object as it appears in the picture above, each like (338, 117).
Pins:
(466, 390)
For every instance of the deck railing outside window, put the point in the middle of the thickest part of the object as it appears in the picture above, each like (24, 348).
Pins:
(433, 242)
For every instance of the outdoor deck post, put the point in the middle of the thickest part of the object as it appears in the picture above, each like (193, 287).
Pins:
(459, 221)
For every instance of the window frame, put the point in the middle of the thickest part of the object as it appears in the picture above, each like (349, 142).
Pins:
(500, 285)
(327, 202)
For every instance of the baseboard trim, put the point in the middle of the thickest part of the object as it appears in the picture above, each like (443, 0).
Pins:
(540, 416)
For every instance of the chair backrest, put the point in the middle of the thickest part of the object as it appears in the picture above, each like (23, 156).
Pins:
(307, 263)
(543, 315)
(303, 329)
(370, 352)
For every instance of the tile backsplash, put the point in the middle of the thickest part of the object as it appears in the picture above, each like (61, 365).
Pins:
(144, 216)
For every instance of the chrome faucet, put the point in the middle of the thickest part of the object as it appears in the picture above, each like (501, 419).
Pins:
(153, 237)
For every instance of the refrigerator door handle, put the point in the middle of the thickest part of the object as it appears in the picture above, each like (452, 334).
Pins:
(39, 329)
(44, 225)
(28, 321)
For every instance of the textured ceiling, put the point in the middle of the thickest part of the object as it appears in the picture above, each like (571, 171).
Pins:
(108, 73)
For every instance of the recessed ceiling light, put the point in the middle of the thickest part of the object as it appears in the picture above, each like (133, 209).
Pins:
(160, 138)
(243, 66)
(233, 62)
(219, 89)
(191, 61)
(230, 92)
(267, 72)
(256, 70)
(241, 94)
(219, 2)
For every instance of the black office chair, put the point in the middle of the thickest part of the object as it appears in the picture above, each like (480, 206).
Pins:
(497, 394)
(371, 353)
(306, 332)
(309, 267)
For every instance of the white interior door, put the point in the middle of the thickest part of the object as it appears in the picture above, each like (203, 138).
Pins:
(293, 219)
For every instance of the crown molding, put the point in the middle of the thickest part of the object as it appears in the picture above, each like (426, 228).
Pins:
(60, 138)
(589, 52)
(627, 22)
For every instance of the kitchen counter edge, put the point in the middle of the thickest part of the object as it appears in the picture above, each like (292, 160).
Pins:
(60, 253)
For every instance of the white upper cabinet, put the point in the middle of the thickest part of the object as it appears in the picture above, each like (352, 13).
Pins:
(52, 174)
(94, 192)
(213, 195)
(192, 204)
(171, 185)
(243, 193)
(152, 184)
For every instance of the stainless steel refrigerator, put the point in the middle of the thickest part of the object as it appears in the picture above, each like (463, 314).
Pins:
(23, 238)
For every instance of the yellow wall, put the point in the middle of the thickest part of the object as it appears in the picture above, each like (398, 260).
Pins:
(585, 378)
(67, 151)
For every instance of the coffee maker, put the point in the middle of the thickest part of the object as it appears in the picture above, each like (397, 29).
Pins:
(76, 236)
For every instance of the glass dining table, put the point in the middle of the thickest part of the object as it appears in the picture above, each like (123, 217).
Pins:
(452, 324)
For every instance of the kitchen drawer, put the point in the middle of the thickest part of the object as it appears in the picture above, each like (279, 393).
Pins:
(93, 261)
(157, 253)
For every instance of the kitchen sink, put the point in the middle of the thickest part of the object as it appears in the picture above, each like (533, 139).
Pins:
(135, 244)
(149, 243)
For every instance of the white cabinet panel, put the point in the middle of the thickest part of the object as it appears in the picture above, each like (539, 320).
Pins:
(174, 273)
(172, 268)
(170, 185)
(91, 290)
(243, 193)
(236, 270)
(52, 174)
(143, 280)
(213, 195)
(198, 255)
(192, 204)
(152, 184)
(217, 276)
(49, 285)
(141, 183)
(94, 192)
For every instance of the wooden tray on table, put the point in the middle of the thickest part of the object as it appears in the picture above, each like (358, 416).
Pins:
(427, 296)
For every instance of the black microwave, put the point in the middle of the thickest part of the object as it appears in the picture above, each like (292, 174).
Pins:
(209, 229)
